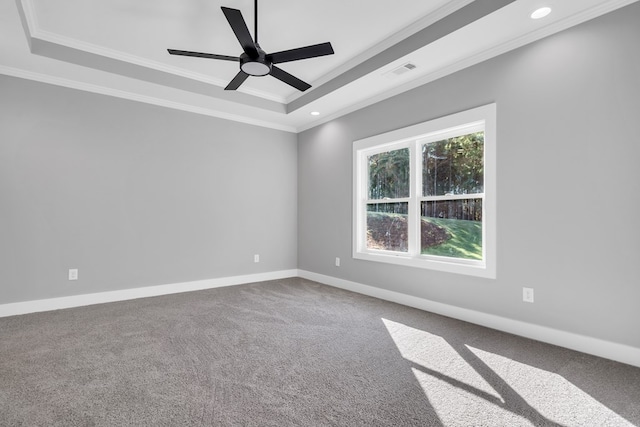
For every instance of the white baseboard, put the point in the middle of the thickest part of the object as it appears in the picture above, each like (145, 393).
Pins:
(594, 346)
(597, 347)
(25, 307)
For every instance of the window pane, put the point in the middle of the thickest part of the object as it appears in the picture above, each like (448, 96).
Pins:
(389, 174)
(453, 166)
(452, 228)
(387, 227)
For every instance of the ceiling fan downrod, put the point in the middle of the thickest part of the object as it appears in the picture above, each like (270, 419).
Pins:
(258, 65)
(255, 21)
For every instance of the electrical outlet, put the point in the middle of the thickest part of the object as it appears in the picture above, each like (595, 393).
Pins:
(256, 258)
(73, 274)
(337, 262)
(527, 294)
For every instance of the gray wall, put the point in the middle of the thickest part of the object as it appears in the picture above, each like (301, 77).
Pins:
(135, 195)
(568, 173)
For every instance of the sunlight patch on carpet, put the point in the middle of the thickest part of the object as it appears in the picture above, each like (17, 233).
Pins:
(453, 387)
(433, 354)
(458, 405)
(550, 394)
(471, 386)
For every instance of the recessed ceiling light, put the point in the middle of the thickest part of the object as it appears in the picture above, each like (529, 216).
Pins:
(315, 113)
(541, 13)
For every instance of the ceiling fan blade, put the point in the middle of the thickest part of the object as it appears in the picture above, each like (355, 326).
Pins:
(287, 78)
(202, 55)
(313, 51)
(237, 81)
(239, 27)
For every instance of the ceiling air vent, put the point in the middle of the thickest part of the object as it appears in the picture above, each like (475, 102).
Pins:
(398, 71)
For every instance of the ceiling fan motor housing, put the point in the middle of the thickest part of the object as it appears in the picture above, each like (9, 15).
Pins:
(259, 66)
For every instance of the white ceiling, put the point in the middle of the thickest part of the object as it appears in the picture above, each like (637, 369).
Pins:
(118, 47)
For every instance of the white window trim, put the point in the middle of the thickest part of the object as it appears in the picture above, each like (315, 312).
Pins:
(433, 130)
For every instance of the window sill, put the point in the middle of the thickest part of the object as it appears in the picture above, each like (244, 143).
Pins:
(469, 268)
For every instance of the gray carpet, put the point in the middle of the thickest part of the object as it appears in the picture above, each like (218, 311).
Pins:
(294, 352)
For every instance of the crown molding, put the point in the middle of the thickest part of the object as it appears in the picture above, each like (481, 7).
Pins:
(25, 8)
(422, 23)
(72, 43)
(477, 58)
(36, 32)
(103, 90)
(33, 31)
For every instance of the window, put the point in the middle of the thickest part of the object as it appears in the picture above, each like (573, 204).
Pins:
(424, 196)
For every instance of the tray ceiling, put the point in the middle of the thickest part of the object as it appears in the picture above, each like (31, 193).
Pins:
(118, 47)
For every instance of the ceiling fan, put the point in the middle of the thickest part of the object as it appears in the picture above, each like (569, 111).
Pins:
(254, 61)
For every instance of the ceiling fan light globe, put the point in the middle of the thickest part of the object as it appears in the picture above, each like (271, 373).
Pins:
(254, 68)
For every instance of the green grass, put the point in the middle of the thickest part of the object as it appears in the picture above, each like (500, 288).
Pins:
(465, 241)
(465, 237)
